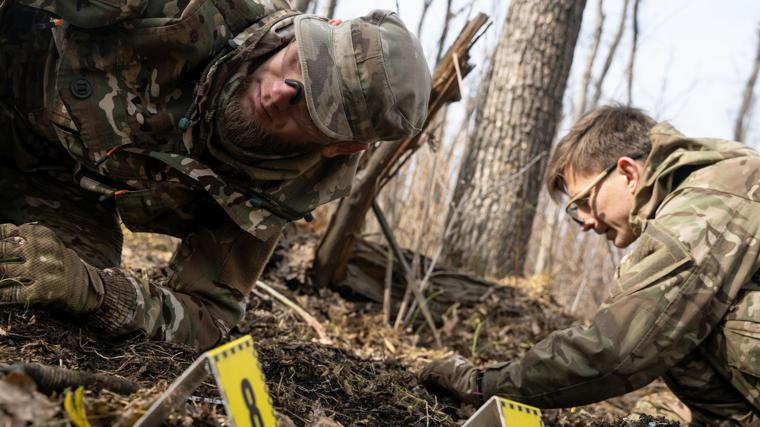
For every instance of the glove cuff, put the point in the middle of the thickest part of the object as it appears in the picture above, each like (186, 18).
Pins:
(491, 380)
(119, 303)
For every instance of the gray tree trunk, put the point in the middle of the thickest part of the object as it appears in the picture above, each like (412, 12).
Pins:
(301, 5)
(516, 122)
(329, 10)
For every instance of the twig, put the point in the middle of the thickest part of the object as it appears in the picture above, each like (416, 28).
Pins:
(610, 56)
(583, 95)
(425, 9)
(474, 348)
(388, 286)
(411, 283)
(459, 73)
(444, 32)
(634, 45)
(308, 318)
(740, 129)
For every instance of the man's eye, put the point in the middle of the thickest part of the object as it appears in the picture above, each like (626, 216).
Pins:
(582, 203)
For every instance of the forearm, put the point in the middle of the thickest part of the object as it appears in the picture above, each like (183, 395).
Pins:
(204, 297)
(134, 304)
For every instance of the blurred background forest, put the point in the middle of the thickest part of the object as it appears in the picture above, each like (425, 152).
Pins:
(471, 196)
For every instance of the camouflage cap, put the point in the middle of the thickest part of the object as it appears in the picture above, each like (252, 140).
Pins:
(365, 79)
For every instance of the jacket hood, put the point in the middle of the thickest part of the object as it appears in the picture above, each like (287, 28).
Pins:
(672, 159)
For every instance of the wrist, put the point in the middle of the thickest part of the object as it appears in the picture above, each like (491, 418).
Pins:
(119, 302)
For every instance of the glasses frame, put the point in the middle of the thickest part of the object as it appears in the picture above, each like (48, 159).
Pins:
(571, 208)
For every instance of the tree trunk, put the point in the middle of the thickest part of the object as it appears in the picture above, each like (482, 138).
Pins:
(515, 124)
(301, 5)
(329, 11)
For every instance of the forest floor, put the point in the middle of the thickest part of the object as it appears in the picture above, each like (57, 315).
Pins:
(362, 374)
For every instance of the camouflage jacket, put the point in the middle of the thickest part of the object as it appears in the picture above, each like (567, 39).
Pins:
(686, 288)
(129, 89)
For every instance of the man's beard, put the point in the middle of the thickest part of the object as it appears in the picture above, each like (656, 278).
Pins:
(244, 134)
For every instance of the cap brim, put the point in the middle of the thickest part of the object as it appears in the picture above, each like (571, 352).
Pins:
(322, 79)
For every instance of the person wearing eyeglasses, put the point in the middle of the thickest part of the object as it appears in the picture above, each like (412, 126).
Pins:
(214, 121)
(685, 304)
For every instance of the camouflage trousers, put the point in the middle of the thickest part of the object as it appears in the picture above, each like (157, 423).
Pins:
(704, 398)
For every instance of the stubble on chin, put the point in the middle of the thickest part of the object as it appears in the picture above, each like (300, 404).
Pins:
(240, 129)
(237, 125)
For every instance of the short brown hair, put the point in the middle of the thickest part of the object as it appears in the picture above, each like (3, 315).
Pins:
(596, 140)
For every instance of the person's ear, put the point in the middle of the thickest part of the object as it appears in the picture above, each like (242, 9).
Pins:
(631, 170)
(343, 148)
(335, 22)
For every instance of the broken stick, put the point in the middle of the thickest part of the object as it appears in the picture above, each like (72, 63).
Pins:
(308, 318)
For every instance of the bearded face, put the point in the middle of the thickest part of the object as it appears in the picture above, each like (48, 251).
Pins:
(239, 128)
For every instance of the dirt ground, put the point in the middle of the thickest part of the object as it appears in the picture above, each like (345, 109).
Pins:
(361, 374)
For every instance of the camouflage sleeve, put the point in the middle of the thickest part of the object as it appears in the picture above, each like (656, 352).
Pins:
(203, 298)
(686, 269)
(101, 13)
(90, 14)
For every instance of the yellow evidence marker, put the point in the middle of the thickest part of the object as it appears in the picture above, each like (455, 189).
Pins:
(241, 383)
(500, 412)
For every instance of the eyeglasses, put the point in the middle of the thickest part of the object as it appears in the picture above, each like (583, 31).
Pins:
(581, 198)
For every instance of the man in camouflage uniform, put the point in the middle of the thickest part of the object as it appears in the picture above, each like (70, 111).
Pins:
(686, 300)
(215, 121)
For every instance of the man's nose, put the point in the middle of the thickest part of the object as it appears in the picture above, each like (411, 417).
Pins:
(282, 93)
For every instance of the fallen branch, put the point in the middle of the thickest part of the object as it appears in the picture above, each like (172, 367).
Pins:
(308, 318)
(51, 379)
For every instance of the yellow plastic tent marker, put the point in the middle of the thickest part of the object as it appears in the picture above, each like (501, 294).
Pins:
(500, 412)
(240, 382)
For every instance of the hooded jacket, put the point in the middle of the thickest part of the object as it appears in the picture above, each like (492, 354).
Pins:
(122, 94)
(685, 291)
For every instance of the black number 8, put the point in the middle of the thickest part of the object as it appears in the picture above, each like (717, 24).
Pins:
(250, 401)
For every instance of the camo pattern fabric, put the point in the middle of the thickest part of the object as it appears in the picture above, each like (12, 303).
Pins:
(685, 289)
(355, 89)
(137, 85)
(47, 171)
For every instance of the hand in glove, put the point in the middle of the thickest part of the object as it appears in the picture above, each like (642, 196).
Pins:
(456, 375)
(36, 269)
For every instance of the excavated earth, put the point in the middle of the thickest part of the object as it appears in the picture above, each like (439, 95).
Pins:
(362, 373)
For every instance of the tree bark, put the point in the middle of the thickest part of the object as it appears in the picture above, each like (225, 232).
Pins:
(330, 8)
(301, 5)
(516, 122)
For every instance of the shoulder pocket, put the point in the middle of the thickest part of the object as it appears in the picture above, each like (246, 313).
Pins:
(657, 254)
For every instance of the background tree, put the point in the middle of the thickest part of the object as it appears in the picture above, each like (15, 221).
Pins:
(301, 5)
(329, 8)
(516, 122)
(742, 118)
